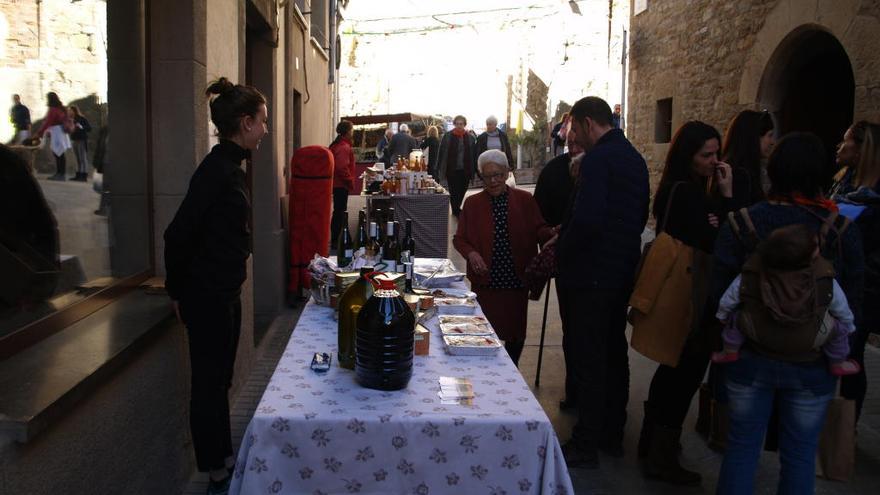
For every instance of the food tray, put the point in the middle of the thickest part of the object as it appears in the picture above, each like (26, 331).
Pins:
(465, 325)
(471, 345)
(442, 292)
(455, 306)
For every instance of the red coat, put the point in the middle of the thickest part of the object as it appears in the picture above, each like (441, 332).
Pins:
(476, 231)
(343, 172)
(54, 116)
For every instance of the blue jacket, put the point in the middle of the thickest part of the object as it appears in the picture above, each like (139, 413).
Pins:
(600, 243)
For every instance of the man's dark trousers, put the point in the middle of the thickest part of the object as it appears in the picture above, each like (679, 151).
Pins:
(596, 321)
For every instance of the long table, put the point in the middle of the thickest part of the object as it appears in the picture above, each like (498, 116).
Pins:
(324, 434)
(430, 217)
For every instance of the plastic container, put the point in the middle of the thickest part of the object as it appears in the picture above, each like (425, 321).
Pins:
(385, 334)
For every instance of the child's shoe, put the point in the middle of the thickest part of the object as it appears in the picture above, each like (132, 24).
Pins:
(725, 357)
(843, 368)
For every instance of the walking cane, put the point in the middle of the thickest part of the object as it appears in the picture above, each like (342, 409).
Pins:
(543, 331)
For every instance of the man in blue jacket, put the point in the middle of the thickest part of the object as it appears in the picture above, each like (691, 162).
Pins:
(598, 250)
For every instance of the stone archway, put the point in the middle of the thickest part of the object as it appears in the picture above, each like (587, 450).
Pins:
(808, 85)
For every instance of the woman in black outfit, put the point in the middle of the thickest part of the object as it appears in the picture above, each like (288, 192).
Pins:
(699, 192)
(432, 142)
(747, 145)
(206, 247)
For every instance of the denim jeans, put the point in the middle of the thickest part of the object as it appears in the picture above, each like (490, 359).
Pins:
(802, 393)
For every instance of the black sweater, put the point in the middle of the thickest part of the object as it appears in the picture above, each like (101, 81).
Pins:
(208, 242)
(689, 214)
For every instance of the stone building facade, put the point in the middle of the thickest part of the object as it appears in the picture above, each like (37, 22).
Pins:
(813, 64)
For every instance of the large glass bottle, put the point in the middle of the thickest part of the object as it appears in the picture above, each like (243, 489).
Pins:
(390, 251)
(344, 248)
(384, 349)
(361, 240)
(350, 304)
(374, 247)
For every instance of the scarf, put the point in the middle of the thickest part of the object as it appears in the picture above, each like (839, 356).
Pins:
(800, 199)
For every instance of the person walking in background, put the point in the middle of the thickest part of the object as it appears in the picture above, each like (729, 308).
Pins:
(747, 146)
(693, 198)
(493, 139)
(401, 144)
(80, 139)
(553, 193)
(58, 125)
(558, 134)
(617, 118)
(383, 143)
(456, 162)
(343, 176)
(498, 234)
(857, 194)
(598, 249)
(432, 143)
(206, 249)
(20, 116)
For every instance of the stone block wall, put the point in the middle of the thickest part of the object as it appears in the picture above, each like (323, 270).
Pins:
(710, 58)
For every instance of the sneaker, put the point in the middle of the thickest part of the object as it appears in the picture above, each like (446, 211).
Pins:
(725, 357)
(576, 457)
(219, 487)
(844, 368)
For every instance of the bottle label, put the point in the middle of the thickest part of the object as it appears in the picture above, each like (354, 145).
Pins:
(404, 256)
(349, 253)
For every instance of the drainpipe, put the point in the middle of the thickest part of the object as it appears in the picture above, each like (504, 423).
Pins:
(331, 68)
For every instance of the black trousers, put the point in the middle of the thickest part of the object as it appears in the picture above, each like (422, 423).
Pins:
(672, 389)
(596, 326)
(213, 327)
(60, 164)
(854, 387)
(458, 182)
(340, 205)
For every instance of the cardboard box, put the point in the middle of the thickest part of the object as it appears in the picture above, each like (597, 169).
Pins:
(422, 340)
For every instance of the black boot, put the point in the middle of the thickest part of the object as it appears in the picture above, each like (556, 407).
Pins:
(662, 462)
(645, 435)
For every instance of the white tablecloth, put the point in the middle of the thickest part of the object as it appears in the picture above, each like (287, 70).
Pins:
(324, 434)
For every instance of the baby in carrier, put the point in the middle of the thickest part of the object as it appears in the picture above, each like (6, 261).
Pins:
(787, 304)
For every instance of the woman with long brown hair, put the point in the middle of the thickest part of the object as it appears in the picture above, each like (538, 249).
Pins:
(694, 195)
(747, 145)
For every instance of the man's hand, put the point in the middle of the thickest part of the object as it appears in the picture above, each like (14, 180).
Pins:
(477, 263)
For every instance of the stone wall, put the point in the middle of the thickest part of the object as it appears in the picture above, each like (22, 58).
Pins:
(53, 45)
(710, 57)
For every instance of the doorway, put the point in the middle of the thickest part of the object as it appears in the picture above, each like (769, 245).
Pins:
(808, 85)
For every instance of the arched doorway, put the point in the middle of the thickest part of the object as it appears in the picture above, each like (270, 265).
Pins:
(808, 85)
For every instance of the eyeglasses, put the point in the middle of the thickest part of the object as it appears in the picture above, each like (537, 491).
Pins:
(491, 177)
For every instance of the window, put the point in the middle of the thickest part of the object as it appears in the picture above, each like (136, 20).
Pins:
(74, 215)
(663, 121)
(318, 15)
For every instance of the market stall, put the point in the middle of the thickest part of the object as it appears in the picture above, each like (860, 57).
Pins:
(324, 433)
(430, 219)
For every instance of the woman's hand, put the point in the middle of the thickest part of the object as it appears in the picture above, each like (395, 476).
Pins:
(176, 306)
(477, 264)
(552, 241)
(724, 179)
(713, 220)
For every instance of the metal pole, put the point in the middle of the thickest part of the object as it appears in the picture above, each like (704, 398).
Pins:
(543, 332)
(623, 82)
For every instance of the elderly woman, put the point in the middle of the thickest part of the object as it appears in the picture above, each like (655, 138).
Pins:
(498, 234)
(493, 139)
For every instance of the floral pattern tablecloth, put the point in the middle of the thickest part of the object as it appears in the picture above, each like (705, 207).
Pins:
(324, 434)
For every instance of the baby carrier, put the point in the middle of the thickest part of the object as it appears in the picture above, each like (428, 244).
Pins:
(784, 314)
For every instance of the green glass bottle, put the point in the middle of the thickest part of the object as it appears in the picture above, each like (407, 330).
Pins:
(350, 303)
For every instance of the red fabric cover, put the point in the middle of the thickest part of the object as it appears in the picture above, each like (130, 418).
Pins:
(311, 193)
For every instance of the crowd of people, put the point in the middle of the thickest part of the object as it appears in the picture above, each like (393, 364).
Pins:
(780, 268)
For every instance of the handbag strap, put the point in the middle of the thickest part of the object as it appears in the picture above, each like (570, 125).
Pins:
(662, 227)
